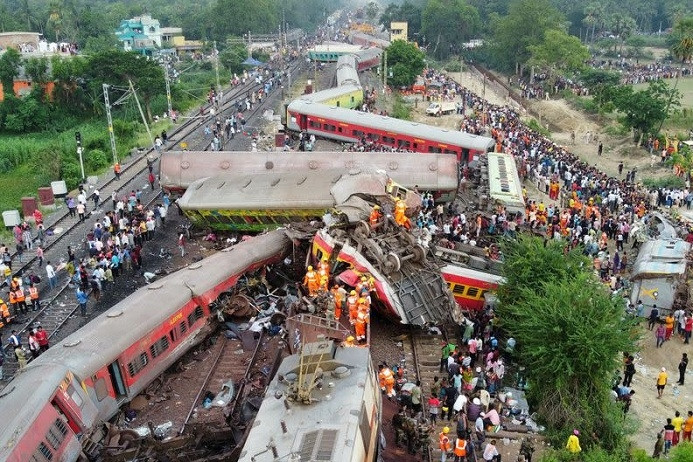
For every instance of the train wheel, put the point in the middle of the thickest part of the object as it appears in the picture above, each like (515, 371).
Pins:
(392, 263)
(419, 253)
(362, 230)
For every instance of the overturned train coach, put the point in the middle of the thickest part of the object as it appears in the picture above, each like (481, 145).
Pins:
(49, 409)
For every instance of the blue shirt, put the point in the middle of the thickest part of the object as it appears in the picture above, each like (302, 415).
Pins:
(82, 297)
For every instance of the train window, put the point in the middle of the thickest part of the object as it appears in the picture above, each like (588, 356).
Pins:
(388, 140)
(183, 328)
(374, 137)
(352, 99)
(159, 347)
(172, 335)
(56, 434)
(434, 149)
(465, 155)
(403, 144)
(458, 289)
(138, 364)
(358, 133)
(416, 145)
(100, 388)
(339, 129)
(449, 151)
(314, 124)
(42, 454)
(325, 126)
(194, 316)
(472, 292)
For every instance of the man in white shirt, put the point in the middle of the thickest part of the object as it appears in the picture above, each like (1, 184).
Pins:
(52, 277)
(490, 452)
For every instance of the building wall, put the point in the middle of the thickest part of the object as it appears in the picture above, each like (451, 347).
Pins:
(399, 31)
(14, 39)
(21, 87)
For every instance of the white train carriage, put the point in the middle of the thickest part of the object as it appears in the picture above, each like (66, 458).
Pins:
(333, 414)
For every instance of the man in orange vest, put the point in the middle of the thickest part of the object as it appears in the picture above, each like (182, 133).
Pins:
(21, 300)
(444, 443)
(460, 450)
(311, 282)
(375, 216)
(337, 302)
(387, 380)
(4, 314)
(360, 326)
(13, 302)
(34, 296)
(400, 217)
(116, 170)
(353, 306)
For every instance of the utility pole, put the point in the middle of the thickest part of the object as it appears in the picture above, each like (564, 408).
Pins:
(111, 135)
(168, 90)
(384, 71)
(144, 119)
(78, 139)
(315, 76)
(250, 46)
(216, 65)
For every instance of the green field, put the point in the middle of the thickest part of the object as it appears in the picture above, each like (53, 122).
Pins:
(685, 87)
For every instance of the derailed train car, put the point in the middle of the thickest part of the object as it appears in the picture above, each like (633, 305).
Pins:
(434, 172)
(49, 408)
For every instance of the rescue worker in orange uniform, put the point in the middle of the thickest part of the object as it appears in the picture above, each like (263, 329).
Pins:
(21, 300)
(353, 306)
(34, 297)
(400, 217)
(13, 302)
(444, 443)
(311, 282)
(4, 314)
(460, 450)
(337, 302)
(360, 326)
(387, 380)
(324, 273)
(375, 216)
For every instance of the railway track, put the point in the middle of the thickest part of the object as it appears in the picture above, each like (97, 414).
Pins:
(422, 357)
(59, 305)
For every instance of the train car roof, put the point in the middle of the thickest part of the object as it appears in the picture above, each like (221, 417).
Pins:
(334, 47)
(434, 171)
(23, 399)
(103, 339)
(504, 181)
(335, 92)
(337, 410)
(414, 129)
(294, 190)
(464, 271)
(371, 39)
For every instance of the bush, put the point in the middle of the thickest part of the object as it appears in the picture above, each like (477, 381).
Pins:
(671, 181)
(534, 125)
(616, 130)
(453, 66)
(95, 160)
(400, 109)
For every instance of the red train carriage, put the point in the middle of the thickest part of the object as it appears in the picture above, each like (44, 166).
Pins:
(468, 285)
(83, 380)
(353, 126)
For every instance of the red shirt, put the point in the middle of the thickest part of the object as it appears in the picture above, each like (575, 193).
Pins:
(689, 325)
(42, 337)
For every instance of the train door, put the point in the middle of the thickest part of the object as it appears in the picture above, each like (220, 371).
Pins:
(67, 415)
(303, 124)
(117, 380)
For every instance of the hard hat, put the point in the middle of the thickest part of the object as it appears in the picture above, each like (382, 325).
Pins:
(310, 268)
(446, 429)
(364, 278)
(353, 292)
(362, 300)
(350, 338)
(377, 207)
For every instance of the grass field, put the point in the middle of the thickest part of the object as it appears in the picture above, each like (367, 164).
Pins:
(685, 87)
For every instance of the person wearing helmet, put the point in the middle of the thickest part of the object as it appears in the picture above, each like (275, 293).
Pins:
(400, 216)
(445, 445)
(349, 342)
(353, 306)
(311, 282)
(375, 216)
(573, 445)
(387, 380)
(338, 301)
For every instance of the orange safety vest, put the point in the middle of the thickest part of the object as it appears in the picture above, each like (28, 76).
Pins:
(19, 294)
(444, 442)
(460, 447)
(33, 293)
(337, 297)
(4, 311)
(375, 216)
(352, 303)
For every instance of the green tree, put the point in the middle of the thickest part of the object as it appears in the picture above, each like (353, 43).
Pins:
(600, 82)
(9, 70)
(682, 36)
(118, 67)
(237, 18)
(559, 51)
(448, 23)
(232, 58)
(67, 74)
(525, 25)
(643, 110)
(594, 18)
(372, 10)
(622, 26)
(405, 62)
(36, 69)
(570, 334)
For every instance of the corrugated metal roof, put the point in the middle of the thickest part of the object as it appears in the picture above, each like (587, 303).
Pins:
(416, 130)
